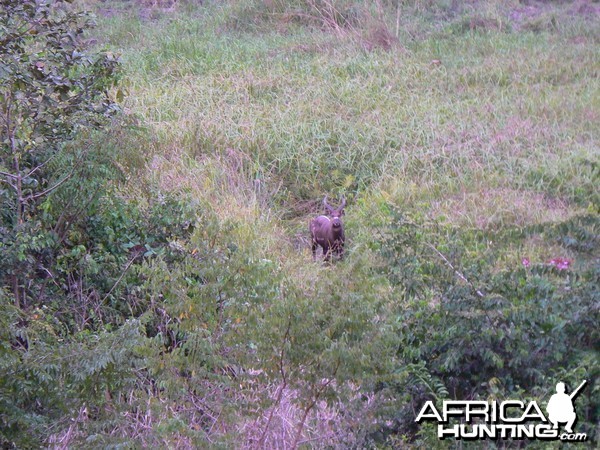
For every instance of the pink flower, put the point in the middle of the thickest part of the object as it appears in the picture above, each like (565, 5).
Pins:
(525, 262)
(560, 263)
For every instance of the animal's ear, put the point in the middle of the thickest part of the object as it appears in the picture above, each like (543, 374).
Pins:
(327, 205)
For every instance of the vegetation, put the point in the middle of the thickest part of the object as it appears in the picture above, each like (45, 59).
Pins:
(158, 172)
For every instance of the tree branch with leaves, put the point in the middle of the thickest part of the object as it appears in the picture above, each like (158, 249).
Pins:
(51, 89)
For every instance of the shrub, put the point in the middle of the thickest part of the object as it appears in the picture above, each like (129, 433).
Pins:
(50, 90)
(475, 331)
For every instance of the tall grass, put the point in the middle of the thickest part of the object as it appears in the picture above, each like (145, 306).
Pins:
(472, 126)
(463, 119)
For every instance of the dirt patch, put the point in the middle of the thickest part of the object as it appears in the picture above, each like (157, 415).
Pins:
(379, 37)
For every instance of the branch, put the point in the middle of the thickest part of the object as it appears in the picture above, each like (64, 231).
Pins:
(121, 276)
(319, 391)
(50, 189)
(58, 184)
(12, 145)
(8, 182)
(9, 175)
(458, 274)
(35, 169)
(286, 336)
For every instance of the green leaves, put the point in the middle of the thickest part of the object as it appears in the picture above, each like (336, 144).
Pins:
(473, 322)
(50, 88)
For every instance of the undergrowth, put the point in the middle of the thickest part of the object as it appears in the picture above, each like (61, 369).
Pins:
(170, 299)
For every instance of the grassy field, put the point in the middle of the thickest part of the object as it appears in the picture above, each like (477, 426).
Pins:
(468, 117)
(465, 138)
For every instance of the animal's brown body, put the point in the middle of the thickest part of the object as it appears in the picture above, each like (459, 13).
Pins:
(328, 232)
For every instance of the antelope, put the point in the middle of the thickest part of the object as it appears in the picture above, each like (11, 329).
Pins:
(328, 232)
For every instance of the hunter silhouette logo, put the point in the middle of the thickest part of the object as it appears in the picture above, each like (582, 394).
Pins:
(560, 407)
(510, 419)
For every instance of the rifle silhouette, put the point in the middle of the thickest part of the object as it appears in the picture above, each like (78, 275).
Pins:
(576, 391)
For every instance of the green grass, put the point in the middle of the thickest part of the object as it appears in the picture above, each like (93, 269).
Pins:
(473, 126)
(472, 123)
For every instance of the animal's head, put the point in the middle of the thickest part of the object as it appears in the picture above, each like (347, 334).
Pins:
(335, 213)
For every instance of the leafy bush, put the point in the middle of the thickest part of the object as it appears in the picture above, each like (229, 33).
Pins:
(476, 331)
(50, 90)
(68, 239)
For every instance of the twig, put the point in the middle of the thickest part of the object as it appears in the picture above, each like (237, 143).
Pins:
(316, 397)
(35, 169)
(8, 182)
(50, 189)
(120, 277)
(398, 21)
(458, 274)
(9, 175)
(283, 385)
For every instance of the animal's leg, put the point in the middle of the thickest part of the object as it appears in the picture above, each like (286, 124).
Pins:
(327, 253)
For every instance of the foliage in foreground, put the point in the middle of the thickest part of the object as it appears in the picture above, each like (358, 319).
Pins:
(142, 317)
(483, 333)
(50, 91)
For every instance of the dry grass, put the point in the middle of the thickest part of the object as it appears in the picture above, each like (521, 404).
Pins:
(502, 207)
(327, 425)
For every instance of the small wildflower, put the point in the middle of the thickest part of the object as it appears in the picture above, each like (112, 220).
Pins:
(561, 263)
(525, 262)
